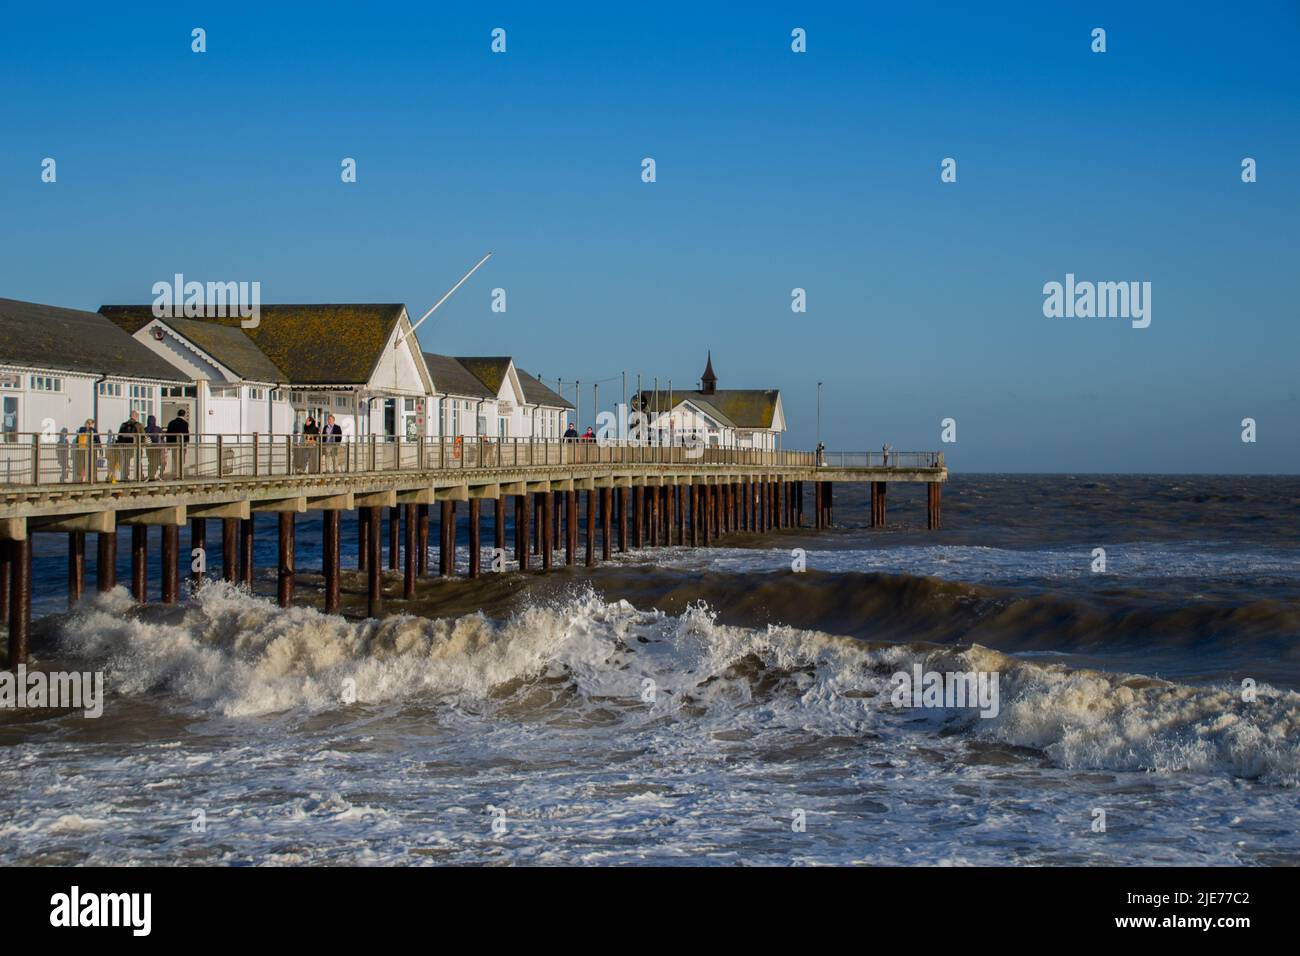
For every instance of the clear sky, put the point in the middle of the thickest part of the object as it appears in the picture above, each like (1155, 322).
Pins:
(775, 170)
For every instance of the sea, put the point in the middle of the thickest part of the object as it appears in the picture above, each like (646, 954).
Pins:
(728, 705)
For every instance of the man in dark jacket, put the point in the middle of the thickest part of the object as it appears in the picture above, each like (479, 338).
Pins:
(331, 437)
(178, 430)
(128, 438)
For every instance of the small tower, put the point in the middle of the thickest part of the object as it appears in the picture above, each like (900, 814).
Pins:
(708, 381)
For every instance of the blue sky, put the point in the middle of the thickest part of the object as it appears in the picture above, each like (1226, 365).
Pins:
(775, 170)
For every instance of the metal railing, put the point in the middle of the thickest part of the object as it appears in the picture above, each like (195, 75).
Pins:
(28, 459)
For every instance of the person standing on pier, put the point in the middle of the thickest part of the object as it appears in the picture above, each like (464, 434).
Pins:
(128, 439)
(178, 430)
(86, 453)
(310, 435)
(153, 436)
(331, 437)
(571, 433)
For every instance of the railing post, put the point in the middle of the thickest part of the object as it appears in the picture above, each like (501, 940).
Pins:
(256, 464)
(221, 461)
(36, 459)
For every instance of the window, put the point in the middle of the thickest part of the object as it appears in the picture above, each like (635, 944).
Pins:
(295, 397)
(142, 399)
(110, 389)
(340, 401)
(455, 419)
(256, 394)
(11, 380)
(179, 391)
(224, 391)
(45, 383)
(409, 404)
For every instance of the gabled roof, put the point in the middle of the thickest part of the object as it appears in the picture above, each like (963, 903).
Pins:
(312, 344)
(45, 336)
(735, 407)
(535, 393)
(230, 346)
(452, 378)
(490, 370)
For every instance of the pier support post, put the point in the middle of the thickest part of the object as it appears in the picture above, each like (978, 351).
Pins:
(198, 539)
(571, 528)
(638, 517)
(548, 528)
(76, 566)
(828, 498)
(422, 540)
(591, 527)
(606, 512)
(106, 561)
(818, 514)
(330, 559)
(171, 557)
(499, 529)
(447, 537)
(622, 519)
(521, 531)
(798, 497)
(394, 538)
(374, 565)
(877, 504)
(412, 553)
(285, 575)
(229, 549)
(20, 599)
(475, 537)
(363, 537)
(934, 492)
(6, 578)
(140, 562)
(246, 527)
(538, 523)
(706, 520)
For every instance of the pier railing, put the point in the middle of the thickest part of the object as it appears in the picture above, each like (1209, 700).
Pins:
(43, 459)
(882, 459)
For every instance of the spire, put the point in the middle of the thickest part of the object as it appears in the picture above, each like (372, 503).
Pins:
(708, 381)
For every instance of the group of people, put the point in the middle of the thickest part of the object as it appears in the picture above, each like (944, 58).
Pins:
(159, 448)
(571, 434)
(329, 436)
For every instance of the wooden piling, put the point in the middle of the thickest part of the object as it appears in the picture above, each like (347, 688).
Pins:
(591, 527)
(171, 567)
(374, 563)
(363, 537)
(199, 540)
(638, 518)
(447, 539)
(606, 494)
(106, 561)
(571, 528)
(499, 529)
(538, 523)
(622, 519)
(246, 528)
(20, 600)
(422, 539)
(548, 529)
(229, 549)
(76, 566)
(394, 538)
(140, 562)
(412, 553)
(6, 578)
(934, 492)
(330, 559)
(475, 541)
(521, 531)
(285, 575)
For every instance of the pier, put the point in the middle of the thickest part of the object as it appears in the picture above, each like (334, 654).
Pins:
(637, 495)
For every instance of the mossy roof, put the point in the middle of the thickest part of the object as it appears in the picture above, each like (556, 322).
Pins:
(535, 393)
(735, 407)
(450, 377)
(491, 370)
(312, 344)
(69, 340)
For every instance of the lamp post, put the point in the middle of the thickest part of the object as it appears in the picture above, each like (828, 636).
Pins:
(819, 413)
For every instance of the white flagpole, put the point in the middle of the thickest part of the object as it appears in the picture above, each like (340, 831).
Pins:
(443, 299)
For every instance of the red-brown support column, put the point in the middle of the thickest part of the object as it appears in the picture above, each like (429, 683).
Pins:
(571, 528)
(538, 523)
(422, 540)
(475, 536)
(106, 562)
(171, 558)
(447, 533)
(499, 529)
(606, 514)
(548, 529)
(935, 499)
(20, 600)
(638, 517)
(363, 537)
(6, 578)
(591, 527)
(394, 538)
(798, 498)
(819, 515)
(198, 540)
(285, 575)
(679, 505)
(330, 559)
(522, 537)
(76, 566)
(706, 519)
(412, 553)
(622, 519)
(374, 561)
(140, 562)
(829, 497)
(246, 527)
(230, 549)
(670, 513)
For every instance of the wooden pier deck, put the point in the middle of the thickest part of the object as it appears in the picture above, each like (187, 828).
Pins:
(668, 494)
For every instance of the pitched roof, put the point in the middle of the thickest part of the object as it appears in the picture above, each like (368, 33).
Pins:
(452, 378)
(735, 407)
(312, 344)
(535, 393)
(490, 370)
(45, 336)
(230, 346)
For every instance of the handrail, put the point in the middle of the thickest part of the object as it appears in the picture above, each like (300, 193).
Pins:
(28, 458)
